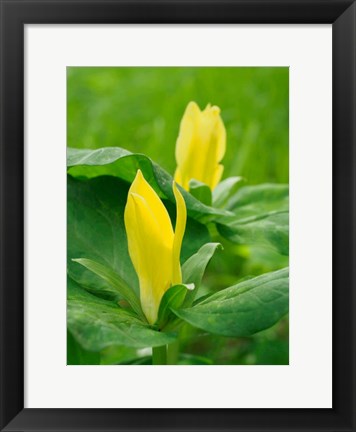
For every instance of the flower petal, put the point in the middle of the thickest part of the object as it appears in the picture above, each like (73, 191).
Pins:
(181, 220)
(201, 145)
(142, 188)
(187, 130)
(217, 176)
(150, 244)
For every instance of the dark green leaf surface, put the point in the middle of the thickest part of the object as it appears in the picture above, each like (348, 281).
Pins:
(119, 162)
(193, 269)
(76, 355)
(96, 231)
(254, 215)
(115, 281)
(172, 298)
(97, 324)
(243, 309)
(271, 229)
(261, 216)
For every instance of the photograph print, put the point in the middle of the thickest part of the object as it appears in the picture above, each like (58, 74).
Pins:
(177, 215)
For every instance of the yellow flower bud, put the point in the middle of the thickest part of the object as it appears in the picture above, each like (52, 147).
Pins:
(154, 247)
(200, 146)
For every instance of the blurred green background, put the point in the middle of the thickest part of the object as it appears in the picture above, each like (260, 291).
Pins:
(140, 109)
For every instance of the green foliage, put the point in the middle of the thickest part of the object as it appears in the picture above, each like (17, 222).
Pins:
(255, 214)
(115, 281)
(140, 109)
(200, 191)
(173, 298)
(96, 232)
(96, 323)
(194, 268)
(261, 216)
(77, 355)
(243, 309)
(118, 162)
(225, 190)
(129, 124)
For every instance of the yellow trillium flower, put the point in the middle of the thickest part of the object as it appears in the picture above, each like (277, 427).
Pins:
(154, 247)
(200, 146)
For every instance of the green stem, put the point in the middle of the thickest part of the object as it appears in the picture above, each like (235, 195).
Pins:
(159, 355)
(173, 353)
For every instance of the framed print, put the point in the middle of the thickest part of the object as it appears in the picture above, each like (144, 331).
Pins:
(177, 215)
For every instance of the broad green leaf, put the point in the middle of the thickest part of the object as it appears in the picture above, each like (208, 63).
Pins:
(97, 324)
(121, 163)
(225, 190)
(193, 269)
(76, 355)
(261, 216)
(114, 280)
(200, 191)
(260, 199)
(96, 231)
(270, 229)
(172, 298)
(243, 309)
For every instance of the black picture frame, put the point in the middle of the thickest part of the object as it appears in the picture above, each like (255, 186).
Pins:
(14, 15)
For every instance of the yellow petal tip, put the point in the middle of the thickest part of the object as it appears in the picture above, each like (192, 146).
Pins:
(139, 173)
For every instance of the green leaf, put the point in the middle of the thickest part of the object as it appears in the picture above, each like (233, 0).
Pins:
(97, 324)
(225, 190)
(193, 269)
(200, 191)
(261, 216)
(172, 298)
(76, 355)
(243, 309)
(121, 163)
(260, 199)
(114, 280)
(96, 231)
(271, 229)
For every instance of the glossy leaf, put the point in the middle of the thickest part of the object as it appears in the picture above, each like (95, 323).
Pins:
(97, 324)
(119, 162)
(243, 309)
(172, 298)
(260, 199)
(115, 281)
(194, 268)
(261, 216)
(96, 232)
